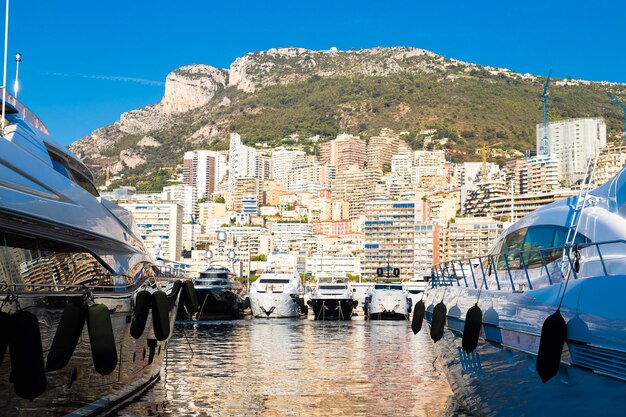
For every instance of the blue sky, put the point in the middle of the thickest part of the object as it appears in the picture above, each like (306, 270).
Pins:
(87, 62)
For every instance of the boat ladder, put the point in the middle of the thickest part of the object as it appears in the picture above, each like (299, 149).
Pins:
(569, 250)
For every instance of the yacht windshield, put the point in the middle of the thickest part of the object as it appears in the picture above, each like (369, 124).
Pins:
(214, 275)
(273, 281)
(333, 287)
(387, 287)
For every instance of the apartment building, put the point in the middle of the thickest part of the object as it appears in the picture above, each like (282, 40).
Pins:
(203, 170)
(356, 186)
(542, 173)
(160, 226)
(284, 233)
(242, 161)
(282, 160)
(471, 237)
(611, 160)
(573, 142)
(344, 151)
(381, 148)
(389, 236)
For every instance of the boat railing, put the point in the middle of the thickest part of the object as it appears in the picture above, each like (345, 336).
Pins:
(170, 272)
(118, 283)
(534, 268)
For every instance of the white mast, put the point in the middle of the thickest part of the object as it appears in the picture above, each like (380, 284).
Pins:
(4, 75)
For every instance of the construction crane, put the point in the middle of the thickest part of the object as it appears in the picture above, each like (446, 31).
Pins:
(544, 97)
(484, 153)
(623, 106)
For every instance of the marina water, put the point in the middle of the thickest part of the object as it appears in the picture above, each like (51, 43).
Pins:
(297, 367)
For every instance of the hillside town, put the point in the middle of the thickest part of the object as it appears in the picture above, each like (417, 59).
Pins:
(360, 203)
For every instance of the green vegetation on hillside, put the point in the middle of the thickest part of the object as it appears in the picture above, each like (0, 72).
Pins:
(467, 108)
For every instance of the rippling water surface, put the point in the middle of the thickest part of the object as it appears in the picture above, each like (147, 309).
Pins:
(296, 367)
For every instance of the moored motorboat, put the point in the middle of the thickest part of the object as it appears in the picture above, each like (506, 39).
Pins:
(332, 299)
(387, 300)
(537, 326)
(278, 292)
(220, 295)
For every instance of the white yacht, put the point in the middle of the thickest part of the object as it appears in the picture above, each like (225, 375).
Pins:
(537, 327)
(86, 313)
(387, 300)
(332, 299)
(278, 292)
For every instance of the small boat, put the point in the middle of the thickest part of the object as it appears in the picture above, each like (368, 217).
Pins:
(278, 292)
(220, 295)
(332, 299)
(387, 300)
(537, 327)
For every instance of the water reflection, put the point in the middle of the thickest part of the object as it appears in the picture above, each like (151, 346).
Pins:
(297, 367)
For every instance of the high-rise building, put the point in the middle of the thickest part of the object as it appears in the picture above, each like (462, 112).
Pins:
(381, 148)
(242, 161)
(306, 170)
(245, 189)
(203, 170)
(389, 236)
(344, 151)
(183, 195)
(355, 185)
(429, 164)
(516, 175)
(542, 173)
(573, 142)
(402, 165)
(264, 166)
(281, 163)
(428, 246)
(160, 226)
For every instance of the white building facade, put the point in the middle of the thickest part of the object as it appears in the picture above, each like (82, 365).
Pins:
(573, 142)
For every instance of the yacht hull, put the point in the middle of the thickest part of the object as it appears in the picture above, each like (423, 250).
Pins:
(273, 305)
(219, 305)
(332, 309)
(77, 389)
(592, 372)
(387, 305)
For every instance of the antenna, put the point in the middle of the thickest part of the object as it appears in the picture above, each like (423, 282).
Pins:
(16, 87)
(4, 73)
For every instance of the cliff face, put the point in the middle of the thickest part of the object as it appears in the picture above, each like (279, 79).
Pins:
(192, 86)
(269, 95)
(288, 65)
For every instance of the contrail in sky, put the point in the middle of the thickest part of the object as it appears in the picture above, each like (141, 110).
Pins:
(110, 78)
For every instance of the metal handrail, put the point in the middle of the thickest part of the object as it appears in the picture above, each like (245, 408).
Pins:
(445, 273)
(168, 274)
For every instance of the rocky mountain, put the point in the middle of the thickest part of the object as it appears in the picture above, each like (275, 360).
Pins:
(271, 95)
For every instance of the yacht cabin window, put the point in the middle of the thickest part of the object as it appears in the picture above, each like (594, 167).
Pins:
(44, 265)
(531, 243)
